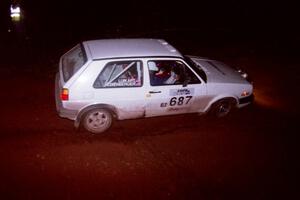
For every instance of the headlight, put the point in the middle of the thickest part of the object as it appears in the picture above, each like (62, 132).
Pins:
(244, 75)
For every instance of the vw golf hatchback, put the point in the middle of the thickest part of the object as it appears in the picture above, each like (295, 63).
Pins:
(102, 80)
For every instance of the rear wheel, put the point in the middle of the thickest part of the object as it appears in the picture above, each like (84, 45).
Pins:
(222, 108)
(97, 120)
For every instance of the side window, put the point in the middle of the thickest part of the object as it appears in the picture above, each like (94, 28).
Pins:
(120, 74)
(73, 61)
(170, 72)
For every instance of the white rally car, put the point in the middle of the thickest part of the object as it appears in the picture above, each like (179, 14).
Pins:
(102, 80)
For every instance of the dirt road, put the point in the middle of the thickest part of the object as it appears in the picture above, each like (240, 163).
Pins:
(247, 155)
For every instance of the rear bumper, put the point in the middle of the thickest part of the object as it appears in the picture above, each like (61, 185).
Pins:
(65, 113)
(62, 112)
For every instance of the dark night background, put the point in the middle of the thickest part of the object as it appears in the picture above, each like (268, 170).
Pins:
(251, 155)
(261, 25)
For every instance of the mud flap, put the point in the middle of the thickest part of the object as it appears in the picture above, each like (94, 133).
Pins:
(77, 123)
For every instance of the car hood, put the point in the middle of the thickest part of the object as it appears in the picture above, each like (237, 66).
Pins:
(218, 72)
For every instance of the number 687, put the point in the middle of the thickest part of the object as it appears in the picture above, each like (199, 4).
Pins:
(180, 100)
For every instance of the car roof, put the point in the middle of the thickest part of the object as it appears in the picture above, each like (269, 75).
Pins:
(120, 48)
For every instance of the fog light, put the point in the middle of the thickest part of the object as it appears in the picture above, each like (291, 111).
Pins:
(245, 93)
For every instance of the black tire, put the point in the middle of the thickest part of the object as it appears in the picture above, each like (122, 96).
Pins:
(97, 120)
(222, 108)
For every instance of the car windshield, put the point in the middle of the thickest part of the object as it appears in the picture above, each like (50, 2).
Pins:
(196, 68)
(72, 62)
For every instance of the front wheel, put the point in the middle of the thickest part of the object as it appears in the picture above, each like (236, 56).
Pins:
(222, 108)
(97, 120)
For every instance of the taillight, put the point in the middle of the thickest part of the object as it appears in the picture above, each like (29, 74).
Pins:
(64, 95)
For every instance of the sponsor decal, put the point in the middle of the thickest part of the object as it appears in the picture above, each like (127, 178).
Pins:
(185, 91)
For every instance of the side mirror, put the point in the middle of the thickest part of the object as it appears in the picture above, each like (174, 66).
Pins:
(187, 79)
(185, 83)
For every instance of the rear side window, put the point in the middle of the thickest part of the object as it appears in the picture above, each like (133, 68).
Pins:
(120, 74)
(73, 61)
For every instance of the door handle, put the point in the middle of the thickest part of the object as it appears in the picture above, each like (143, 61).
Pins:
(153, 92)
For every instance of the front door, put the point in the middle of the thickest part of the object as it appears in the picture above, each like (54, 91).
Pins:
(174, 88)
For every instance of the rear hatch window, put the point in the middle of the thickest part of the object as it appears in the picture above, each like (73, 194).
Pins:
(72, 61)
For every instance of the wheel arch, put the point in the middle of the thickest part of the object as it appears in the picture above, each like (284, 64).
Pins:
(215, 100)
(81, 113)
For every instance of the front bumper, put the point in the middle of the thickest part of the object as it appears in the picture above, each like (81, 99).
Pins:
(246, 100)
